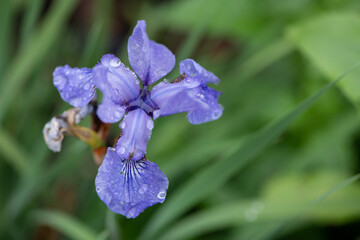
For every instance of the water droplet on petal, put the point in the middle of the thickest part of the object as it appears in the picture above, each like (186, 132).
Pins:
(112, 149)
(161, 195)
(86, 86)
(122, 150)
(149, 124)
(115, 62)
(98, 189)
(131, 213)
(59, 79)
(201, 96)
(216, 114)
(156, 114)
(117, 114)
(137, 81)
(122, 125)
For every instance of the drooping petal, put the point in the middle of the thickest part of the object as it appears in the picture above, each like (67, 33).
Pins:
(128, 187)
(194, 71)
(136, 131)
(174, 98)
(110, 112)
(190, 94)
(210, 109)
(117, 82)
(150, 60)
(75, 85)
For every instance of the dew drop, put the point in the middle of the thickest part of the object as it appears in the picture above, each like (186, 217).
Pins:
(149, 124)
(137, 81)
(122, 202)
(112, 149)
(117, 114)
(131, 213)
(216, 114)
(115, 62)
(59, 79)
(161, 194)
(86, 86)
(201, 96)
(122, 150)
(122, 125)
(98, 189)
(156, 114)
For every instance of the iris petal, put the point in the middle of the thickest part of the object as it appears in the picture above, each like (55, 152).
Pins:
(174, 98)
(190, 95)
(196, 72)
(110, 112)
(136, 131)
(128, 187)
(117, 82)
(150, 60)
(75, 85)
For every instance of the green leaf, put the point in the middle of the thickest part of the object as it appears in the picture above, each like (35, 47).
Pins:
(33, 52)
(287, 201)
(332, 43)
(14, 153)
(213, 177)
(65, 224)
(234, 18)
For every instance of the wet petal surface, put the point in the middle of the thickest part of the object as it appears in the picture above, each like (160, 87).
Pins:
(174, 98)
(75, 85)
(117, 82)
(110, 112)
(128, 187)
(136, 131)
(196, 72)
(190, 95)
(150, 60)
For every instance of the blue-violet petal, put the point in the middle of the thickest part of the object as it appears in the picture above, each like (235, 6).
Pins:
(150, 60)
(75, 85)
(136, 131)
(117, 82)
(177, 97)
(110, 112)
(194, 71)
(128, 187)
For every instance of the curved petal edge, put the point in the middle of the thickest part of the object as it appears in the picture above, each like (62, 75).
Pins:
(129, 187)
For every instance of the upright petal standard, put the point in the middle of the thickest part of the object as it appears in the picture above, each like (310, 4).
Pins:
(150, 60)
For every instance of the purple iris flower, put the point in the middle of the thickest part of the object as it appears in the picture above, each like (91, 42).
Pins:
(126, 181)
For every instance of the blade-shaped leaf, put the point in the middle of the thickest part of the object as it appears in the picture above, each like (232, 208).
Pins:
(286, 206)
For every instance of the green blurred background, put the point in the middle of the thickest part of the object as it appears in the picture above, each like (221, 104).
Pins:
(278, 164)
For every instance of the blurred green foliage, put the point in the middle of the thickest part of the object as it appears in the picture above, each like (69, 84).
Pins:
(281, 163)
